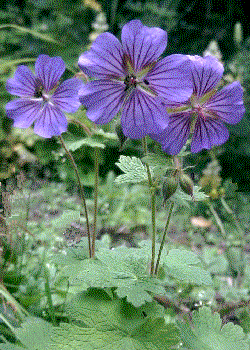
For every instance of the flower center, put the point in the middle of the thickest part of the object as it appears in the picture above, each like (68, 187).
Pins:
(130, 81)
(42, 95)
(198, 107)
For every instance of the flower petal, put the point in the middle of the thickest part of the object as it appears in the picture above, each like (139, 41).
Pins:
(51, 122)
(104, 59)
(206, 73)
(23, 111)
(142, 115)
(174, 137)
(23, 83)
(65, 96)
(49, 70)
(208, 133)
(228, 103)
(170, 79)
(142, 44)
(103, 99)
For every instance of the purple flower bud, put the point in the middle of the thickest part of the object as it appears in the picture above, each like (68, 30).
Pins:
(169, 188)
(186, 184)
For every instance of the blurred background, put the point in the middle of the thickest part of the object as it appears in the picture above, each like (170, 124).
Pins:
(67, 27)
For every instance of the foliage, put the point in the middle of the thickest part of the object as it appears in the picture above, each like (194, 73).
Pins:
(208, 334)
(133, 168)
(111, 323)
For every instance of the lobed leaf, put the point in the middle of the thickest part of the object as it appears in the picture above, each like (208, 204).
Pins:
(186, 266)
(133, 168)
(207, 333)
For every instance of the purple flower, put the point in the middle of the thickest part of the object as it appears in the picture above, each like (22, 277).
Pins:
(40, 99)
(205, 112)
(131, 81)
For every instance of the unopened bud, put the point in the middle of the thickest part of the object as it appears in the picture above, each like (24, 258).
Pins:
(121, 137)
(186, 184)
(238, 33)
(214, 194)
(169, 187)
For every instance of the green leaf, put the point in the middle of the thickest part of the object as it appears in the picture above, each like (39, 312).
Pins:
(216, 263)
(87, 141)
(100, 322)
(186, 266)
(36, 34)
(159, 163)
(183, 199)
(207, 333)
(114, 324)
(10, 346)
(91, 273)
(122, 268)
(133, 168)
(34, 334)
(130, 275)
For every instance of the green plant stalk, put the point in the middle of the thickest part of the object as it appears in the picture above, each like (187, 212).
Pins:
(153, 208)
(164, 236)
(49, 297)
(22, 313)
(217, 219)
(239, 229)
(233, 216)
(96, 151)
(223, 234)
(81, 190)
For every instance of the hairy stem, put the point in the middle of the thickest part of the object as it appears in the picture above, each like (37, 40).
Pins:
(164, 236)
(81, 191)
(96, 150)
(153, 207)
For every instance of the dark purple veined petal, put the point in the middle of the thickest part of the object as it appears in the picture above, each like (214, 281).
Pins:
(104, 59)
(23, 83)
(23, 111)
(174, 137)
(227, 103)
(208, 133)
(142, 44)
(206, 73)
(51, 122)
(49, 70)
(65, 96)
(103, 99)
(170, 79)
(143, 114)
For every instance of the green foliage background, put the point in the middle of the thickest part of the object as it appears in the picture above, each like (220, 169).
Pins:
(57, 296)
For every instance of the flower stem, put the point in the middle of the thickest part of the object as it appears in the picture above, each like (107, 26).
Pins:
(153, 207)
(164, 236)
(96, 150)
(81, 190)
(217, 219)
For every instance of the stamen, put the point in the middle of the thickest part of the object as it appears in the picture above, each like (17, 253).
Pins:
(130, 81)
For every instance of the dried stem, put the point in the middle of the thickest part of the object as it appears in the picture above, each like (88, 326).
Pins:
(81, 190)
(153, 207)
(164, 236)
